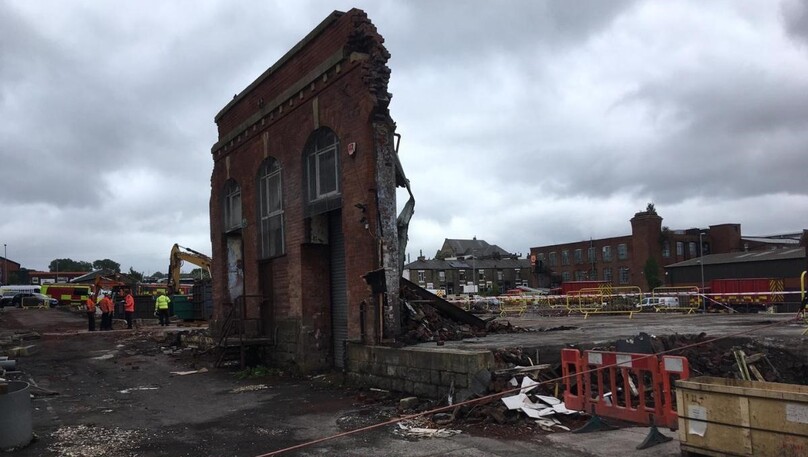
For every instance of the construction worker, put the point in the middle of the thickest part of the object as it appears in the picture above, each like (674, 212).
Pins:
(161, 308)
(129, 308)
(90, 308)
(106, 312)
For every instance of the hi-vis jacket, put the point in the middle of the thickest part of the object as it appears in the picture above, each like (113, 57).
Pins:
(162, 302)
(90, 305)
(130, 303)
(106, 305)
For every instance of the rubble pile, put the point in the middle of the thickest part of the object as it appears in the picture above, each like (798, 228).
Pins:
(525, 404)
(425, 323)
(719, 359)
(724, 358)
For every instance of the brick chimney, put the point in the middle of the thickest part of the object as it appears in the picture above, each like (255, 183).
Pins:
(646, 228)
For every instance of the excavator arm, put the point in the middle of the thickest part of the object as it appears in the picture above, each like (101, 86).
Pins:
(180, 254)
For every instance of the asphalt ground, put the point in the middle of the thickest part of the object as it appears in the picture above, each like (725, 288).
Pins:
(114, 395)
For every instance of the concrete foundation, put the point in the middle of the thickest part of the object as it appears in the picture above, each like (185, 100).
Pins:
(421, 371)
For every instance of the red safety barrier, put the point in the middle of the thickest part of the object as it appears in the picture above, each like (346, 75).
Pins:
(631, 387)
(623, 386)
(671, 368)
(571, 372)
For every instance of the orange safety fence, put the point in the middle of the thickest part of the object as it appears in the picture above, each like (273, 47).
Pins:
(631, 387)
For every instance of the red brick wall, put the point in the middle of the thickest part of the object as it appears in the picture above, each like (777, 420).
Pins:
(345, 104)
(724, 238)
(645, 244)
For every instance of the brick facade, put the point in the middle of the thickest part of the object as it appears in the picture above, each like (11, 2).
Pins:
(334, 80)
(627, 255)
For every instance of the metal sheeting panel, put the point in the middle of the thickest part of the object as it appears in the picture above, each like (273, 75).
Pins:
(339, 288)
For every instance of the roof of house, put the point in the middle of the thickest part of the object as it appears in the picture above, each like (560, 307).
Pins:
(478, 264)
(476, 248)
(3, 259)
(767, 255)
(793, 239)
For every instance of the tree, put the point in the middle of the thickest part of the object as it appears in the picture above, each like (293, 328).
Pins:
(650, 209)
(651, 272)
(136, 275)
(158, 275)
(107, 264)
(200, 273)
(19, 277)
(69, 265)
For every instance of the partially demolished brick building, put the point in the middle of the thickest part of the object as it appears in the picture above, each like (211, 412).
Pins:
(303, 200)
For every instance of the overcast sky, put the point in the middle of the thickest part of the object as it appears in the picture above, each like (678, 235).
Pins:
(523, 123)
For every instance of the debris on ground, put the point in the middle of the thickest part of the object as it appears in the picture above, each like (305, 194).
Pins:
(543, 408)
(718, 358)
(95, 441)
(424, 323)
(250, 388)
(132, 389)
(185, 373)
(417, 429)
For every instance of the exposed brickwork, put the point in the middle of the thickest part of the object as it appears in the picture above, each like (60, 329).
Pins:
(335, 78)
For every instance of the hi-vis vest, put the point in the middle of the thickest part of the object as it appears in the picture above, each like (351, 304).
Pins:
(162, 302)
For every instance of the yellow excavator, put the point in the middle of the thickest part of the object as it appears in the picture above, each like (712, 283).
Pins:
(180, 254)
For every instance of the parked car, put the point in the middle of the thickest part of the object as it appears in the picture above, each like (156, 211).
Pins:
(31, 299)
(658, 302)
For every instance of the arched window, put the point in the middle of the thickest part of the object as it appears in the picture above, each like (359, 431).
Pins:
(322, 165)
(232, 206)
(271, 208)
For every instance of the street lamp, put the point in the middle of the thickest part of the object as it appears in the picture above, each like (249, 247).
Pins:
(476, 289)
(701, 264)
(5, 265)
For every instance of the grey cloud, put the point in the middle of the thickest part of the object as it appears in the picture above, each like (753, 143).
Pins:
(447, 33)
(795, 18)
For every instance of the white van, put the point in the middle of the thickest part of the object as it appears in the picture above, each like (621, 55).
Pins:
(13, 290)
(7, 293)
(658, 302)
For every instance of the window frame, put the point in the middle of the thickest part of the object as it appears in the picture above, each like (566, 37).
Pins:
(323, 143)
(622, 251)
(624, 275)
(270, 183)
(232, 201)
(606, 253)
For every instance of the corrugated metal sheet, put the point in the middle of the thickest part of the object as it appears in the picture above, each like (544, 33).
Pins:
(339, 289)
(741, 257)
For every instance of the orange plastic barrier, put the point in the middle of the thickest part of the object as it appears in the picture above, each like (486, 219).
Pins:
(671, 368)
(573, 379)
(630, 387)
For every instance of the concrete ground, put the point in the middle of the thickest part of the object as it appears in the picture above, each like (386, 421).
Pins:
(115, 395)
(549, 334)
